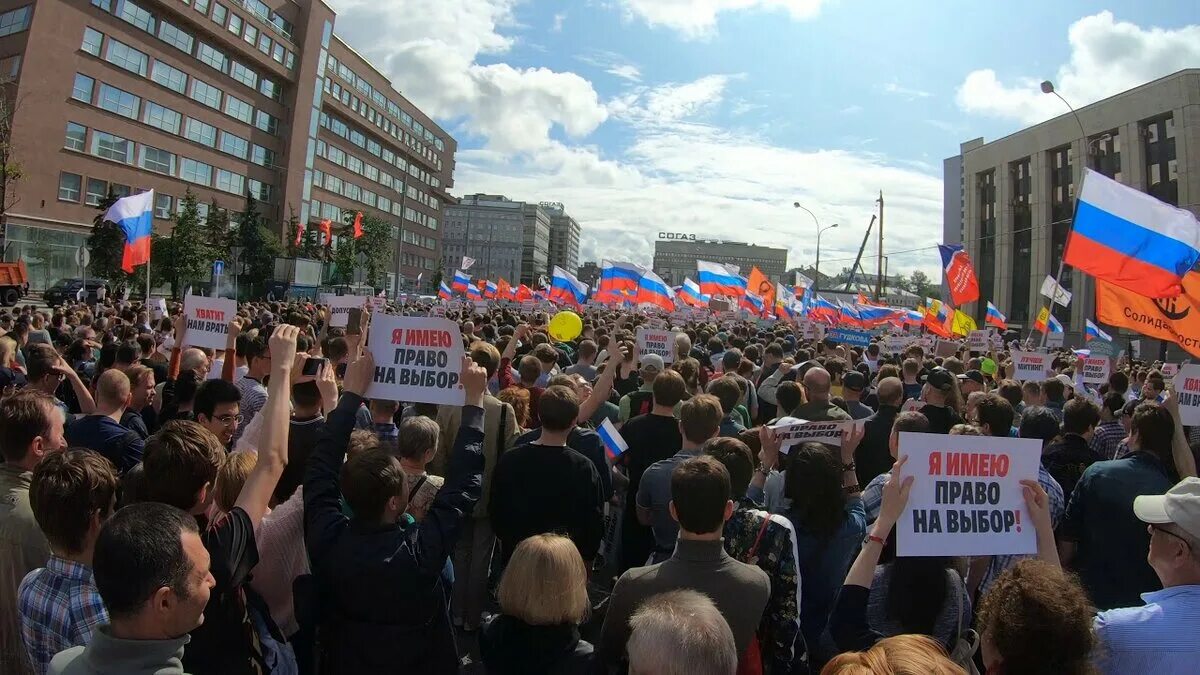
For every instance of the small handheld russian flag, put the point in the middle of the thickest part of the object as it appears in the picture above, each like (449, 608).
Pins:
(614, 445)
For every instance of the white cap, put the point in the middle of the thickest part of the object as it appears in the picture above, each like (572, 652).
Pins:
(1066, 380)
(1181, 506)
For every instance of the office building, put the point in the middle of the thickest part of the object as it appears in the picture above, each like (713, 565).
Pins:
(1019, 191)
(535, 251)
(222, 98)
(675, 257)
(589, 273)
(564, 238)
(488, 228)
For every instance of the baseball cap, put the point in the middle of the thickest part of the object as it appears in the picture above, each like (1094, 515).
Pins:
(652, 362)
(988, 367)
(1181, 506)
(973, 375)
(940, 378)
(11, 378)
(1066, 380)
(854, 381)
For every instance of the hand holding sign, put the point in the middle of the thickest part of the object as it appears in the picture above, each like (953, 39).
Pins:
(895, 498)
(852, 435)
(474, 380)
(359, 374)
(768, 457)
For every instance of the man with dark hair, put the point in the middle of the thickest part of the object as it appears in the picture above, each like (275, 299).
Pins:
(152, 570)
(788, 396)
(102, 431)
(1067, 459)
(699, 420)
(728, 392)
(586, 361)
(254, 394)
(651, 438)
(218, 409)
(700, 504)
(72, 494)
(31, 427)
(873, 455)
(1100, 537)
(872, 494)
(45, 370)
(378, 560)
(546, 486)
(1110, 432)
(854, 384)
(938, 392)
(1010, 390)
(993, 416)
(1055, 393)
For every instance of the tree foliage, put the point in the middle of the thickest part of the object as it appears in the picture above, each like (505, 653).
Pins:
(259, 248)
(922, 287)
(107, 245)
(216, 235)
(187, 253)
(11, 170)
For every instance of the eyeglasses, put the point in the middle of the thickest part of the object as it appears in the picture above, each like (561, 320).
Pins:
(229, 420)
(1167, 532)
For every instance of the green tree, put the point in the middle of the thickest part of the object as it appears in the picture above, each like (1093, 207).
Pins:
(259, 247)
(921, 285)
(189, 254)
(215, 233)
(342, 270)
(107, 244)
(375, 244)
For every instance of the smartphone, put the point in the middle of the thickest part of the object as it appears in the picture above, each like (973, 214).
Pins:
(313, 364)
(340, 370)
(354, 322)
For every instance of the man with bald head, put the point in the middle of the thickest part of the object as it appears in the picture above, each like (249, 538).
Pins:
(816, 390)
(873, 456)
(102, 431)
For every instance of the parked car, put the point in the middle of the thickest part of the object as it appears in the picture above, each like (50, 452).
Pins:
(66, 290)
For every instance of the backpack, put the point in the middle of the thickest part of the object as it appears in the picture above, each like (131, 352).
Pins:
(640, 403)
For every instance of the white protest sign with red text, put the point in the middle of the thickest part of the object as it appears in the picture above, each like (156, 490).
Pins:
(340, 306)
(417, 360)
(208, 321)
(1187, 387)
(1095, 369)
(1028, 366)
(652, 341)
(966, 497)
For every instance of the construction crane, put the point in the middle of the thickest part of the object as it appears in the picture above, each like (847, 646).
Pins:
(858, 259)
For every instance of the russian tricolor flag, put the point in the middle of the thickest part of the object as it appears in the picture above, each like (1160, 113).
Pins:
(752, 303)
(1130, 239)
(1046, 322)
(444, 291)
(473, 292)
(135, 216)
(619, 276)
(461, 281)
(717, 279)
(1092, 332)
(614, 444)
(566, 289)
(652, 290)
(995, 318)
(489, 290)
(691, 295)
(823, 310)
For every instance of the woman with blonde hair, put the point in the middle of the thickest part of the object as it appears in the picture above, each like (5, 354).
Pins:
(231, 477)
(543, 599)
(899, 655)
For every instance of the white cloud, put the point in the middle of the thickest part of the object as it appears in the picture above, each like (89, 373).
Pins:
(907, 92)
(1107, 57)
(613, 64)
(680, 101)
(695, 19)
(626, 71)
(558, 22)
(852, 109)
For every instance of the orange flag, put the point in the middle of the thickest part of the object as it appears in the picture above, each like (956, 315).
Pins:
(760, 285)
(1174, 319)
(327, 229)
(358, 225)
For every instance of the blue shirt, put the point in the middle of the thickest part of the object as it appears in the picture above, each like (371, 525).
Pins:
(60, 608)
(1162, 636)
(823, 565)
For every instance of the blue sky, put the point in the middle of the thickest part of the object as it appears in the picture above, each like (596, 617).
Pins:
(712, 116)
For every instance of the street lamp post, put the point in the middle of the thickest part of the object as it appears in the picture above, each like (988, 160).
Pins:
(817, 272)
(1048, 88)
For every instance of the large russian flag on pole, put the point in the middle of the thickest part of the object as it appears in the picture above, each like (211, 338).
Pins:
(461, 281)
(135, 216)
(691, 295)
(1130, 239)
(995, 318)
(1093, 332)
(717, 279)
(619, 276)
(960, 275)
(566, 289)
(652, 290)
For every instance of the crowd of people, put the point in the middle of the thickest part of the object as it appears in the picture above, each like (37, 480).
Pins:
(171, 509)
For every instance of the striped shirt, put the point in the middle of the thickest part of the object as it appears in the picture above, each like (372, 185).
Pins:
(1108, 438)
(60, 608)
(254, 397)
(1058, 506)
(1162, 636)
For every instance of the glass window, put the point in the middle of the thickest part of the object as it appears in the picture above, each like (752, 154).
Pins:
(259, 9)
(175, 36)
(76, 137)
(68, 186)
(290, 61)
(266, 122)
(124, 56)
(251, 35)
(162, 205)
(238, 109)
(206, 93)
(213, 57)
(137, 16)
(201, 6)
(204, 134)
(105, 5)
(15, 21)
(354, 164)
(264, 44)
(283, 25)
(119, 101)
(270, 88)
(262, 156)
(91, 41)
(111, 147)
(10, 66)
(230, 181)
(243, 74)
(260, 190)
(97, 190)
(195, 172)
(82, 90)
(234, 145)
(162, 117)
(235, 24)
(154, 159)
(168, 76)
(119, 190)
(277, 52)
(219, 13)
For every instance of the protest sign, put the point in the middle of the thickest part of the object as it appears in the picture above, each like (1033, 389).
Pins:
(1095, 369)
(896, 344)
(1170, 369)
(437, 311)
(208, 321)
(966, 497)
(854, 338)
(1055, 340)
(1028, 366)
(1187, 387)
(481, 307)
(654, 341)
(1102, 348)
(945, 348)
(159, 310)
(378, 303)
(912, 405)
(528, 305)
(812, 331)
(417, 360)
(977, 340)
(801, 431)
(656, 323)
(340, 306)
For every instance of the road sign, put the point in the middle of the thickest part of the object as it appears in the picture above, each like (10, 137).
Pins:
(218, 267)
(82, 256)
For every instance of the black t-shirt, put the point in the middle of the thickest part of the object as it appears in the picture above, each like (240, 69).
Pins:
(941, 418)
(651, 438)
(227, 643)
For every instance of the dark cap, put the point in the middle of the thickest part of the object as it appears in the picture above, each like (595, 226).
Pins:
(940, 379)
(11, 378)
(854, 381)
(973, 375)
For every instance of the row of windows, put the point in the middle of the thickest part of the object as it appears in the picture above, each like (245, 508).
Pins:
(357, 165)
(160, 72)
(420, 218)
(379, 120)
(118, 149)
(421, 263)
(72, 186)
(16, 20)
(250, 33)
(341, 128)
(349, 190)
(362, 86)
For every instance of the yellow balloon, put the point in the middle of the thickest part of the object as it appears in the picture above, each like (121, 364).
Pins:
(565, 326)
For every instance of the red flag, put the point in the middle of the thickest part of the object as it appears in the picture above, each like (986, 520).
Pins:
(358, 225)
(327, 229)
(960, 275)
(503, 289)
(299, 233)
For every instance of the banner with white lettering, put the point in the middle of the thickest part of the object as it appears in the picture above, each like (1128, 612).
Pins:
(651, 341)
(966, 497)
(340, 306)
(417, 360)
(1095, 369)
(1187, 387)
(794, 432)
(1028, 366)
(208, 321)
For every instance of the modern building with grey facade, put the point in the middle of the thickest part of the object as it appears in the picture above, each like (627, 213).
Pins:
(675, 258)
(535, 251)
(488, 228)
(1013, 199)
(564, 237)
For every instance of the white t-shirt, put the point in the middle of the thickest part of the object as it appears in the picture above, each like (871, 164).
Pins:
(214, 373)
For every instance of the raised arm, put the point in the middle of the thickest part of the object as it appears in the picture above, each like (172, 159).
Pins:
(599, 394)
(229, 365)
(273, 448)
(87, 405)
(1038, 503)
(177, 348)
(1185, 462)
